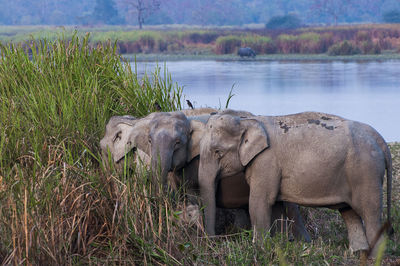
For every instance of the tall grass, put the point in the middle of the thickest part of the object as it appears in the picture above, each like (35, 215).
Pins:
(228, 44)
(57, 205)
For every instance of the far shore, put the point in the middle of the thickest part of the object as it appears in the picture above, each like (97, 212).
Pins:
(264, 57)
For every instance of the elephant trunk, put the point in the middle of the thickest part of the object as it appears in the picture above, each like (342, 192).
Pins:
(162, 154)
(208, 171)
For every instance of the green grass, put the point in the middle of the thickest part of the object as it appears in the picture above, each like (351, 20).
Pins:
(58, 205)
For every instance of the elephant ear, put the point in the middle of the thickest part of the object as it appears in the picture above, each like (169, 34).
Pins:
(254, 140)
(197, 129)
(121, 143)
(139, 136)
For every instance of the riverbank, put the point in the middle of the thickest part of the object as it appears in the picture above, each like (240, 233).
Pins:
(221, 43)
(271, 57)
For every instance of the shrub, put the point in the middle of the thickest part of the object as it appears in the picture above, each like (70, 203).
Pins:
(228, 44)
(326, 41)
(363, 35)
(290, 21)
(147, 43)
(309, 42)
(343, 48)
(288, 44)
(174, 47)
(260, 44)
(201, 37)
(368, 47)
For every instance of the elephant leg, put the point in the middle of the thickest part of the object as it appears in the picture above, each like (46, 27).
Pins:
(299, 231)
(283, 211)
(264, 188)
(241, 219)
(355, 230)
(260, 216)
(260, 208)
(369, 209)
(372, 222)
(278, 217)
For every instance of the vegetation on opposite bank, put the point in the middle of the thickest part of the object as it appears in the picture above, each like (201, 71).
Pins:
(372, 39)
(58, 205)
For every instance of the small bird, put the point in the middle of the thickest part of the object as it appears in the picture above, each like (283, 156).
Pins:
(157, 106)
(190, 104)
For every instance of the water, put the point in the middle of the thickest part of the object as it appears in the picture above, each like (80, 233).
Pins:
(364, 91)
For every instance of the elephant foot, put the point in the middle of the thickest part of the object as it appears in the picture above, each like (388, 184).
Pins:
(358, 242)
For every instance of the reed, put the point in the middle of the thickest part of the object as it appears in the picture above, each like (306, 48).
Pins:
(57, 204)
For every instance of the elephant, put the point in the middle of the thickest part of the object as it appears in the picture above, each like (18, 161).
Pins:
(116, 137)
(246, 51)
(311, 159)
(164, 136)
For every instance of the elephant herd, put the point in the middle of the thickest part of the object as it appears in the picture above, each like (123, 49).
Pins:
(266, 165)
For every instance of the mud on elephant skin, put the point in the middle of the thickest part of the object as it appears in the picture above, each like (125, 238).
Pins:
(312, 159)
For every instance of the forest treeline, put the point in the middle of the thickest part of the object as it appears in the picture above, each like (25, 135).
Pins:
(191, 12)
(340, 40)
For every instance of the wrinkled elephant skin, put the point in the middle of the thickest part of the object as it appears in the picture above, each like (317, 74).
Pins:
(312, 159)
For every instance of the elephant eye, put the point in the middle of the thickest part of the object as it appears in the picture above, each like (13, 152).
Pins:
(218, 153)
(177, 142)
(150, 140)
(117, 136)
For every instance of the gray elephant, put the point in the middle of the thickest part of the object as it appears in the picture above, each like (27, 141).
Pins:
(246, 51)
(312, 159)
(117, 139)
(164, 136)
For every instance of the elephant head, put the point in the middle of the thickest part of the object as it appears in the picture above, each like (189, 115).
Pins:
(116, 137)
(164, 141)
(167, 139)
(229, 144)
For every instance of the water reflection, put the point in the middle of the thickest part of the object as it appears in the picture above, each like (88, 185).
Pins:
(364, 91)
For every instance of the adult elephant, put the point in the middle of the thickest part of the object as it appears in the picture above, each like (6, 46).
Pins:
(174, 140)
(118, 139)
(312, 159)
(246, 51)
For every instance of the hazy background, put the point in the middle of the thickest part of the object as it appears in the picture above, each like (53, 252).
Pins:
(191, 12)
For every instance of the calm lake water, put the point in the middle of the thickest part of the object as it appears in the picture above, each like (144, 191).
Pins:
(365, 91)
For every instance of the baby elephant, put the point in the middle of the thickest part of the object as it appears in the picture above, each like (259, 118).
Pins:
(312, 159)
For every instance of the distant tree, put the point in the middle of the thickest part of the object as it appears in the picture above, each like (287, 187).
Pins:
(392, 16)
(332, 8)
(290, 21)
(105, 12)
(142, 9)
